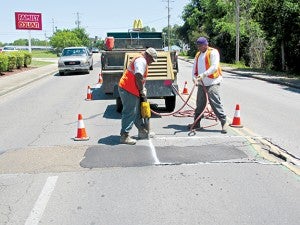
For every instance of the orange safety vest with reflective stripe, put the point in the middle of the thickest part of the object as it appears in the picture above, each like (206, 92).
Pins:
(128, 81)
(207, 64)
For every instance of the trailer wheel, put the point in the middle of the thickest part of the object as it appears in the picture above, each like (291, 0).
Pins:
(119, 104)
(170, 102)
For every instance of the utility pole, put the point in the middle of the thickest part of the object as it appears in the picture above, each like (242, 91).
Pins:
(237, 44)
(169, 26)
(169, 32)
(77, 22)
(53, 26)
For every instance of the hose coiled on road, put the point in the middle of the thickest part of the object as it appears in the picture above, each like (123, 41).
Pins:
(207, 112)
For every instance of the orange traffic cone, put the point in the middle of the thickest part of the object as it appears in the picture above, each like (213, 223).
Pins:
(185, 90)
(100, 81)
(236, 122)
(81, 133)
(89, 94)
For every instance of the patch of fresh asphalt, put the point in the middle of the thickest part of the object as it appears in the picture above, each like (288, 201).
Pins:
(164, 151)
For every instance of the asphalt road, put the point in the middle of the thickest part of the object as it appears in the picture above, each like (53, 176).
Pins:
(209, 178)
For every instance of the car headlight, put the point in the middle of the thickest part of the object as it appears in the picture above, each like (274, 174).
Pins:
(85, 62)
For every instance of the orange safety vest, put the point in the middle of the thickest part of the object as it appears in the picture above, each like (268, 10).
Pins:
(128, 81)
(207, 64)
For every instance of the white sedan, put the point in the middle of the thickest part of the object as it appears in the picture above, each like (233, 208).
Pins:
(75, 59)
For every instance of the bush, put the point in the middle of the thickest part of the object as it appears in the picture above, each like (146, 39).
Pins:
(27, 58)
(19, 59)
(3, 62)
(12, 59)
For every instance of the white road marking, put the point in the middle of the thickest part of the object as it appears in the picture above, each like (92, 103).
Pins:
(153, 151)
(41, 203)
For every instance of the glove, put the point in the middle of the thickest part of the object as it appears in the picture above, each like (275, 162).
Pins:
(200, 76)
(144, 91)
(143, 99)
(143, 94)
(195, 81)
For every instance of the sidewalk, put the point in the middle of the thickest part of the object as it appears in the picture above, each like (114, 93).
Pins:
(15, 81)
(291, 82)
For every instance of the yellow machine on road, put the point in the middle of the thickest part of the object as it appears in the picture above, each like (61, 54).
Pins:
(122, 47)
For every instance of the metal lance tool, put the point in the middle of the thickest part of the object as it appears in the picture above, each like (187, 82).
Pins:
(146, 114)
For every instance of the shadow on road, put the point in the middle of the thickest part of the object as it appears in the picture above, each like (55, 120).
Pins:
(110, 140)
(111, 113)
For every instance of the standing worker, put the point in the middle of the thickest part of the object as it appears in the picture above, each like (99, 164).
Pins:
(132, 90)
(207, 68)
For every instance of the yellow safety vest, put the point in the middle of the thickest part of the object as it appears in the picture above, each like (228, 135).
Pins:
(207, 64)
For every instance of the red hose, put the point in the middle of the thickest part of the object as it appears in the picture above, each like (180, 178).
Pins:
(207, 112)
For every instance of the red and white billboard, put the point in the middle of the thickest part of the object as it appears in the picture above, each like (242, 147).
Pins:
(28, 21)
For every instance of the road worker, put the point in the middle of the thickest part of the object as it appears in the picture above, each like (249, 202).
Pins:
(207, 68)
(132, 90)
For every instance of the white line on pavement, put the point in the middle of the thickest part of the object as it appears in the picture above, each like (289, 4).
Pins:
(153, 151)
(41, 203)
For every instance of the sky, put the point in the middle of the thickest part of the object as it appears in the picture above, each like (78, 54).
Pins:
(97, 16)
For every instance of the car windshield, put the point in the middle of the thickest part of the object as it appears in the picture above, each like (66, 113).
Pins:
(70, 52)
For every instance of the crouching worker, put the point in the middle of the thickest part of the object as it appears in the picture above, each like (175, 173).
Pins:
(131, 90)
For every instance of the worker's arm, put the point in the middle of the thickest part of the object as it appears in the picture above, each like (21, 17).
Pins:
(140, 66)
(139, 81)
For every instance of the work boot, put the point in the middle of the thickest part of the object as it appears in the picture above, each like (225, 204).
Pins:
(126, 139)
(143, 134)
(224, 128)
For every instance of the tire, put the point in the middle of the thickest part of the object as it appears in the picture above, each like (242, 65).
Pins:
(119, 105)
(61, 73)
(92, 67)
(170, 102)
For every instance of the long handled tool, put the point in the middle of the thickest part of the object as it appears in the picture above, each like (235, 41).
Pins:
(146, 114)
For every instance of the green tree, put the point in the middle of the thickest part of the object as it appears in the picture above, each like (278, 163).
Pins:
(20, 42)
(38, 42)
(83, 37)
(148, 29)
(34, 41)
(68, 38)
(280, 20)
(216, 19)
(64, 38)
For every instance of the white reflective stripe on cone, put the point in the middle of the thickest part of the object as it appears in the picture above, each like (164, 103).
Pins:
(80, 124)
(237, 113)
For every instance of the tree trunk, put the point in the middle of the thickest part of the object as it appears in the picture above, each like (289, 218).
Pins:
(282, 56)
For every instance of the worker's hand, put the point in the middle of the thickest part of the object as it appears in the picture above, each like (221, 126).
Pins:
(143, 95)
(200, 76)
(195, 81)
(143, 99)
(144, 91)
